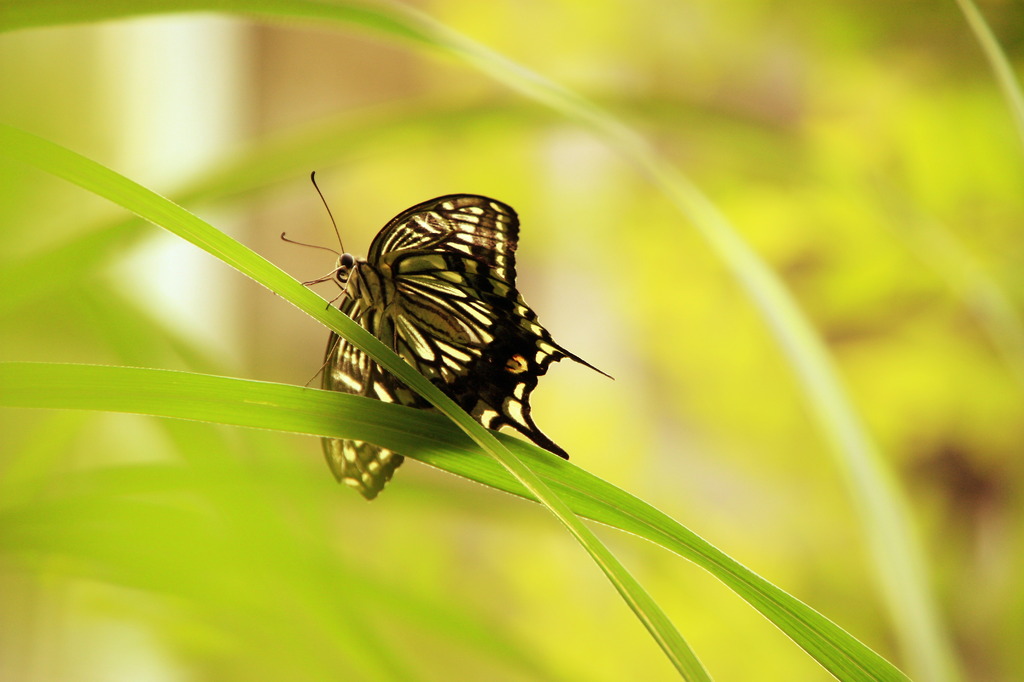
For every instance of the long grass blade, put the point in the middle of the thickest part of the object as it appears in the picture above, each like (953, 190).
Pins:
(432, 439)
(158, 210)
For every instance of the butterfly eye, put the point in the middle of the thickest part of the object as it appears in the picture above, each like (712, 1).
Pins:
(347, 260)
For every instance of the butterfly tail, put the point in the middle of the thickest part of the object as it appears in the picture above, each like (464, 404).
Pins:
(573, 356)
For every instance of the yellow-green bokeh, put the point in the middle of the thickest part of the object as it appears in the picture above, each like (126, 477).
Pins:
(864, 151)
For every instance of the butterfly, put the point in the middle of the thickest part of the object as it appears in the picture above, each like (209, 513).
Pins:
(438, 287)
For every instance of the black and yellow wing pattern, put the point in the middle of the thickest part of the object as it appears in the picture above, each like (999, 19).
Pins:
(439, 288)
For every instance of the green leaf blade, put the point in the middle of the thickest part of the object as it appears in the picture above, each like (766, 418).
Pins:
(433, 440)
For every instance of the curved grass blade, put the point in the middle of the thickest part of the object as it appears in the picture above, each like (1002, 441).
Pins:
(1001, 67)
(429, 438)
(281, 157)
(106, 183)
(979, 290)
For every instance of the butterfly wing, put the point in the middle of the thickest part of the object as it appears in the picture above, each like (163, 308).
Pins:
(363, 466)
(459, 318)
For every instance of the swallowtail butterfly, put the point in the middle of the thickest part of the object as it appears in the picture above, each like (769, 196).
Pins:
(439, 288)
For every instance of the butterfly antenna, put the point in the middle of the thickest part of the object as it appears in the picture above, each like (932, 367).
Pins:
(312, 246)
(312, 178)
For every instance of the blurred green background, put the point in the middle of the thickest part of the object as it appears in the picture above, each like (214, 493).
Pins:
(863, 150)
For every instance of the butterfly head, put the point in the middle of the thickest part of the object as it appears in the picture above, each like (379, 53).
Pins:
(343, 269)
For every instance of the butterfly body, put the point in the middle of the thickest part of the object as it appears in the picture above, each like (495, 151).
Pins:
(438, 288)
